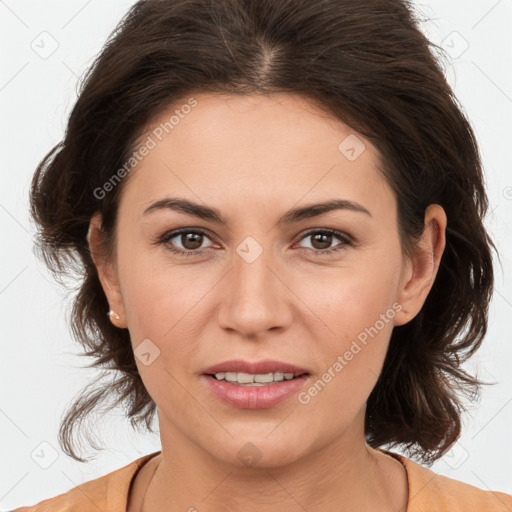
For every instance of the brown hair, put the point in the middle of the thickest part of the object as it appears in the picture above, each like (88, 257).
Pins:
(365, 62)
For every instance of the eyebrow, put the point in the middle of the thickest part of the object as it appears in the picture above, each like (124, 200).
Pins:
(290, 217)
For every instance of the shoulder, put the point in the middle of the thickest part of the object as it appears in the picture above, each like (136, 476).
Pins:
(430, 491)
(108, 492)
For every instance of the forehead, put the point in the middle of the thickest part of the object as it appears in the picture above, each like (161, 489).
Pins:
(254, 121)
(253, 147)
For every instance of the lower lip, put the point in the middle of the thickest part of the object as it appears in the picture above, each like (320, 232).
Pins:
(255, 397)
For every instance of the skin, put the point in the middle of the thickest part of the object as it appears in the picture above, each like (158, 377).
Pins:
(253, 158)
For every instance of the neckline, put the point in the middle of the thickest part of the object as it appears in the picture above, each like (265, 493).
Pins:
(403, 461)
(139, 464)
(146, 458)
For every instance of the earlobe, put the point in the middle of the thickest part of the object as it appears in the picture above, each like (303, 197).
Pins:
(106, 271)
(421, 269)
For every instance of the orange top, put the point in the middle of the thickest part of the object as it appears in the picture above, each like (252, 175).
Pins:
(428, 492)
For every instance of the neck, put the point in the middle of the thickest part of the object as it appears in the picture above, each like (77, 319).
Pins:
(344, 475)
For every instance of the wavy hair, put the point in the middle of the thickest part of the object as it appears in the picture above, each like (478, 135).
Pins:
(365, 62)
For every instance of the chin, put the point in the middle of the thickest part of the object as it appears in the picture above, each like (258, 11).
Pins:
(260, 452)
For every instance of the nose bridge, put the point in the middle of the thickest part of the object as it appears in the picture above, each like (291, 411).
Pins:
(253, 298)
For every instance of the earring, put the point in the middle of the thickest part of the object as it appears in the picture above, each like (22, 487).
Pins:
(111, 314)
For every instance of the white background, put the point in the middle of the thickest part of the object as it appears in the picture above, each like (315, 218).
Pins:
(39, 373)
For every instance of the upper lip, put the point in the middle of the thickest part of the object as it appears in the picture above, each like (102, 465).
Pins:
(254, 367)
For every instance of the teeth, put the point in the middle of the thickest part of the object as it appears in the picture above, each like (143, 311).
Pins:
(253, 379)
(244, 378)
(231, 376)
(263, 377)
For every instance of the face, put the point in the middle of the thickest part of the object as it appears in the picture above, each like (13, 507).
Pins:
(258, 274)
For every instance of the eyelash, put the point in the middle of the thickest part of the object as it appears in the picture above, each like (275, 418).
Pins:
(345, 239)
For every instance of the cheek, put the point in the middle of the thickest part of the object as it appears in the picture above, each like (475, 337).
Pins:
(358, 307)
(349, 299)
(156, 294)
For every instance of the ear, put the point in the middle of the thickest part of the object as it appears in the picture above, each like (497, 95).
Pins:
(106, 270)
(421, 269)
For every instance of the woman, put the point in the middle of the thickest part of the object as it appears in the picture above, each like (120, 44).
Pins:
(279, 204)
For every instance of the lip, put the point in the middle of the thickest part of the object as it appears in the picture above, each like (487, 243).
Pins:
(264, 366)
(255, 397)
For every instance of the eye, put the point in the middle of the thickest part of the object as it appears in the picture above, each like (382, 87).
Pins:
(189, 241)
(185, 242)
(321, 240)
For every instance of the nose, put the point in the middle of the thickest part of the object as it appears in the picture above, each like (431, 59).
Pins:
(254, 297)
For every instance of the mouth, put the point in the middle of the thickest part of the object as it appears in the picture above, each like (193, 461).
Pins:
(255, 385)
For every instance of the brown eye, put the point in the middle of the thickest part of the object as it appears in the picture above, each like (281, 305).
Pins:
(191, 241)
(321, 241)
(186, 242)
